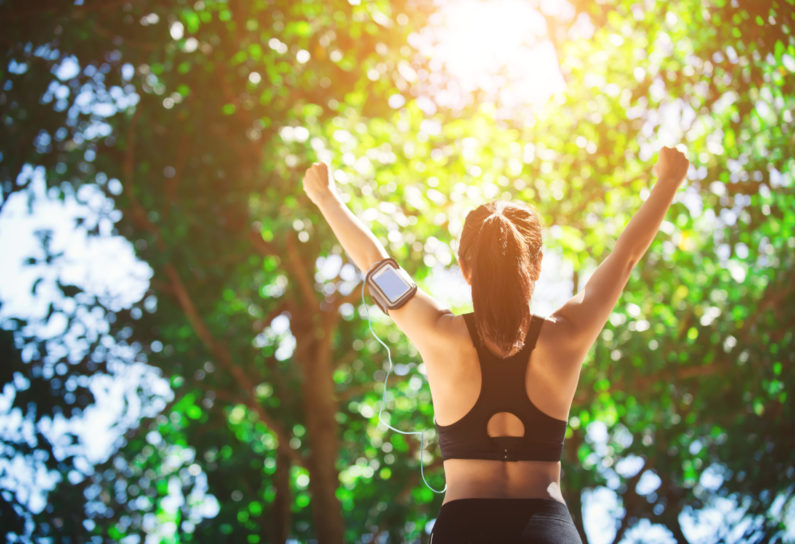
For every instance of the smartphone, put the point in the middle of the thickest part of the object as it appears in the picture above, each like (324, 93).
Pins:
(390, 285)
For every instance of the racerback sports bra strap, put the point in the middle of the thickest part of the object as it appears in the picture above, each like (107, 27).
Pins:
(503, 389)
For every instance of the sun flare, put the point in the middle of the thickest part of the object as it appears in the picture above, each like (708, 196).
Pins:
(499, 47)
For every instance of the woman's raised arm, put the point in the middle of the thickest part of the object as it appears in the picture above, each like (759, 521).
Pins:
(420, 317)
(357, 240)
(583, 316)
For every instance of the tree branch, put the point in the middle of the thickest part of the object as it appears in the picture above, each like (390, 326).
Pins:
(279, 309)
(179, 291)
(298, 269)
(295, 265)
(354, 298)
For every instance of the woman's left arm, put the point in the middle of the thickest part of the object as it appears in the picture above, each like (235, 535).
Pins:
(420, 317)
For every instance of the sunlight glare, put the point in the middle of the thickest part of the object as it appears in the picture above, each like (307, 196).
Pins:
(500, 47)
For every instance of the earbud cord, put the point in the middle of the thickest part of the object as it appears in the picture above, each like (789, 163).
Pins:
(383, 401)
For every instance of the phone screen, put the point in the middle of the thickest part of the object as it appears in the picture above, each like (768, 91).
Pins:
(390, 283)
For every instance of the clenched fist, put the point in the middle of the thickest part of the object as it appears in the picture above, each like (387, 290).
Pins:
(317, 182)
(671, 165)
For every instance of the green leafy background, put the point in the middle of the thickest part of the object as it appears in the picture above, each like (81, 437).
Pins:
(688, 383)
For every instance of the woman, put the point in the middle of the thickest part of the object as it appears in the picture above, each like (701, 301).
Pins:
(502, 380)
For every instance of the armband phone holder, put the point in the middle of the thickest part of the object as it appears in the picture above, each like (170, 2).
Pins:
(390, 286)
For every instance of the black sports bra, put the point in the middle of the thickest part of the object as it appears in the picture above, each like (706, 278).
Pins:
(503, 390)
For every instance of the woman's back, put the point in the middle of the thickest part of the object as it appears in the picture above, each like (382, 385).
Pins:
(454, 375)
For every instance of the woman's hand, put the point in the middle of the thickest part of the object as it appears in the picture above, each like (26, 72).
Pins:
(671, 165)
(318, 185)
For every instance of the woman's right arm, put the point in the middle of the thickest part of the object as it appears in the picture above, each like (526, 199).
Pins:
(580, 320)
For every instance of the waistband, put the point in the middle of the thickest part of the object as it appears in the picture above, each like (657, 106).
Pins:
(477, 506)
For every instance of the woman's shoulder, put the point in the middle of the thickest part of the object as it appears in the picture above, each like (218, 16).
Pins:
(453, 326)
(554, 327)
(452, 348)
(451, 335)
(554, 342)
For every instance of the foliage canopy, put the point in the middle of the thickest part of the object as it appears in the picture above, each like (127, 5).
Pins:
(198, 118)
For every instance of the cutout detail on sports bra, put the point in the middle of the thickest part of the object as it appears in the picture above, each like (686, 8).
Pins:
(505, 424)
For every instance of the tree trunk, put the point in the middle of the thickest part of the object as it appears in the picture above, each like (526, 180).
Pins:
(676, 529)
(283, 501)
(574, 499)
(575, 508)
(313, 354)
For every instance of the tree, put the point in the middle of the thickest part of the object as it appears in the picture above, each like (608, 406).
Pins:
(199, 118)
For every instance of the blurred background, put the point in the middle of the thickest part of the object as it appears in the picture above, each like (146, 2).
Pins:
(185, 353)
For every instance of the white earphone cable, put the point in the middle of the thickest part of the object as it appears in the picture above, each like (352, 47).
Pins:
(383, 401)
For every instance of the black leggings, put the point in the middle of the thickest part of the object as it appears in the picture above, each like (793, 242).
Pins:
(504, 521)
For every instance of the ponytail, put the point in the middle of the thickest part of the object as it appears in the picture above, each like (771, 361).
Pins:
(501, 256)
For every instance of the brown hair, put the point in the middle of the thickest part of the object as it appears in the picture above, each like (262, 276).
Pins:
(500, 247)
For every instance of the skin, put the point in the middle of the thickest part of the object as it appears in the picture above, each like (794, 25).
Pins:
(554, 367)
